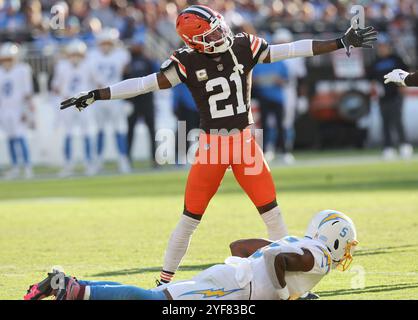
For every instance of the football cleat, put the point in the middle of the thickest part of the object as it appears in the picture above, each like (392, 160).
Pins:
(309, 296)
(42, 289)
(70, 291)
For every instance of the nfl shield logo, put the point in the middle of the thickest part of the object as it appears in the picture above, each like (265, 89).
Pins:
(220, 67)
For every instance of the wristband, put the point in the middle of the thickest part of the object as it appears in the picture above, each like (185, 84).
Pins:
(96, 94)
(339, 43)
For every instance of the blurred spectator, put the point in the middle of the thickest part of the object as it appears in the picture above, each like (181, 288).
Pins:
(391, 99)
(12, 18)
(102, 10)
(42, 38)
(143, 105)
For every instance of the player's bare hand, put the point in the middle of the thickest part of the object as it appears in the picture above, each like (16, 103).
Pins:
(358, 38)
(81, 101)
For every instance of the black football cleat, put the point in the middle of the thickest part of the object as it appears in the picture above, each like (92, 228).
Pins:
(42, 289)
(309, 296)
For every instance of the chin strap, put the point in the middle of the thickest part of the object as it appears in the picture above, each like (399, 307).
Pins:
(239, 68)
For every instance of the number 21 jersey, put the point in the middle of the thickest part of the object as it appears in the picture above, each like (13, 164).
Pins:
(220, 86)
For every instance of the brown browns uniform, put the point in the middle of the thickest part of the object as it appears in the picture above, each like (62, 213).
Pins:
(221, 92)
(221, 88)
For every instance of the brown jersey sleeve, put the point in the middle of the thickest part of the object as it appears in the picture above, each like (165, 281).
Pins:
(257, 45)
(176, 59)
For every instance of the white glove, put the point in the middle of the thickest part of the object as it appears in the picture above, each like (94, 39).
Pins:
(283, 293)
(396, 76)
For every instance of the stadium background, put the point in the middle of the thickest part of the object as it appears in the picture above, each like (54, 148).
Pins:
(28, 23)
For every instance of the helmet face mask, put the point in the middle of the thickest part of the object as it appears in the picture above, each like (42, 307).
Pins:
(107, 40)
(75, 58)
(9, 53)
(216, 40)
(345, 262)
(76, 51)
(106, 47)
(8, 62)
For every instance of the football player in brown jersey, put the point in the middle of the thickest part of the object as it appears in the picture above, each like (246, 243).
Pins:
(216, 65)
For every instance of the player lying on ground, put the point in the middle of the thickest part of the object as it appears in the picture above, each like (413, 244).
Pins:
(259, 269)
(402, 78)
(216, 66)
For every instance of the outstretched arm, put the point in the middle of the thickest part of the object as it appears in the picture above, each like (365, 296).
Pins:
(133, 87)
(402, 78)
(122, 90)
(411, 80)
(363, 38)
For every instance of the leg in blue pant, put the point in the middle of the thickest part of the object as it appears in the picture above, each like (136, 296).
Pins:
(105, 290)
(25, 151)
(100, 143)
(87, 149)
(12, 151)
(98, 283)
(68, 148)
(121, 142)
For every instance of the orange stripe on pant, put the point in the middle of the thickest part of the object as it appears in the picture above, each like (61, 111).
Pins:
(214, 155)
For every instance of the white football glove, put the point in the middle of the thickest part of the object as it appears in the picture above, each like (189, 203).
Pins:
(396, 76)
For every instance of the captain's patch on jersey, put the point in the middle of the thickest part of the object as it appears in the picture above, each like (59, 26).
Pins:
(201, 75)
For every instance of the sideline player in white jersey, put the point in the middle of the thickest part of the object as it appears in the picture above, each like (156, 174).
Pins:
(108, 63)
(258, 270)
(69, 78)
(16, 90)
(297, 69)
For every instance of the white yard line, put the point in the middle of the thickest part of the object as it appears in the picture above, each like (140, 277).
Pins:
(41, 200)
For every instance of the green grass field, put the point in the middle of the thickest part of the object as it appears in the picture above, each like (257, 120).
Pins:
(116, 228)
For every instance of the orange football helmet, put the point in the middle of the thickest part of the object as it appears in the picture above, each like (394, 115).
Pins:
(204, 30)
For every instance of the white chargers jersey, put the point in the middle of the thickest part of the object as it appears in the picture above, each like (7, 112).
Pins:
(298, 283)
(70, 79)
(15, 86)
(247, 278)
(107, 69)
